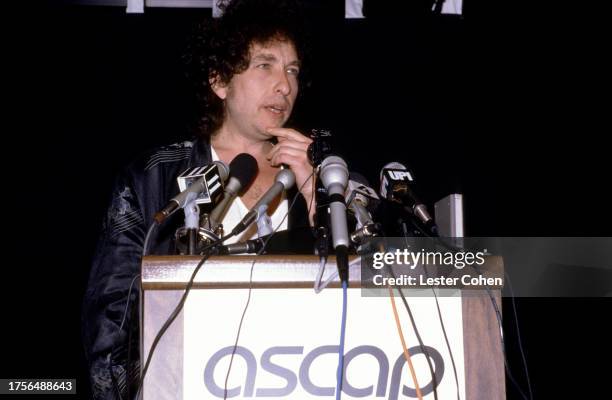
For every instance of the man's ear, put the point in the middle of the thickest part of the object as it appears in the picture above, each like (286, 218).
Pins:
(218, 87)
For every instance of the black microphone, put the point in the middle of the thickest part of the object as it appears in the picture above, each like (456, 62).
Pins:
(321, 220)
(205, 182)
(334, 175)
(243, 170)
(285, 179)
(320, 147)
(317, 151)
(395, 181)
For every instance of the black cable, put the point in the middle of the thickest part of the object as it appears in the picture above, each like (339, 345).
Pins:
(145, 247)
(229, 368)
(145, 250)
(503, 343)
(263, 248)
(518, 334)
(123, 318)
(499, 323)
(434, 382)
(314, 189)
(448, 345)
(450, 352)
(500, 326)
(177, 309)
(129, 371)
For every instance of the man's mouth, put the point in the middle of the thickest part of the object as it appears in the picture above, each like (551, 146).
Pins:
(276, 109)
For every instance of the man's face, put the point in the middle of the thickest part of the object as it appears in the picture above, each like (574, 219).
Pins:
(263, 95)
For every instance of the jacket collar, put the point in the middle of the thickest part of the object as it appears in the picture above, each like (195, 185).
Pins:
(200, 154)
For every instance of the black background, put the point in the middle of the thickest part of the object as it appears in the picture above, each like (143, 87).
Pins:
(508, 105)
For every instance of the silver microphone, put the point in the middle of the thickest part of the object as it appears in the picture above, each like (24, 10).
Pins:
(360, 198)
(334, 176)
(285, 179)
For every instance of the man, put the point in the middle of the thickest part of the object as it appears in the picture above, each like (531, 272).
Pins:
(248, 63)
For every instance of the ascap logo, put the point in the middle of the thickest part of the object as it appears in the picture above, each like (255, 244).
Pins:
(303, 375)
(400, 175)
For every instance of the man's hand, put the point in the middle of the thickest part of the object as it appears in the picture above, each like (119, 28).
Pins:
(291, 149)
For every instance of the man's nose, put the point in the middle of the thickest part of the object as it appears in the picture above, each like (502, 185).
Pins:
(283, 86)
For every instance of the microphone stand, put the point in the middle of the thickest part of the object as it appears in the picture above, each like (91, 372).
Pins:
(192, 224)
(197, 236)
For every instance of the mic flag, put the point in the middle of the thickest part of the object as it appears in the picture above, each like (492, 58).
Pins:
(204, 182)
(213, 184)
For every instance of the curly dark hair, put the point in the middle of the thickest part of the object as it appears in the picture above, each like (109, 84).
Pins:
(220, 48)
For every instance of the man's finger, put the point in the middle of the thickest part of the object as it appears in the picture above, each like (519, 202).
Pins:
(289, 134)
(292, 145)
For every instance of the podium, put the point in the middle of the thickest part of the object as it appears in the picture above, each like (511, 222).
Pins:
(289, 339)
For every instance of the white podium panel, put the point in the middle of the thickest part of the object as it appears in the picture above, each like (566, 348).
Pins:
(288, 345)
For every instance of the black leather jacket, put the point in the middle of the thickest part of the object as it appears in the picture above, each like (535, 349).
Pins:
(143, 188)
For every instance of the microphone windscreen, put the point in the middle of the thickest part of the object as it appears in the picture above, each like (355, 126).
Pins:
(391, 173)
(392, 165)
(244, 168)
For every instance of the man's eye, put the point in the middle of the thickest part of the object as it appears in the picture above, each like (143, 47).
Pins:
(293, 71)
(263, 66)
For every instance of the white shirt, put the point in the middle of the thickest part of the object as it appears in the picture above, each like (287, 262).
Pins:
(238, 210)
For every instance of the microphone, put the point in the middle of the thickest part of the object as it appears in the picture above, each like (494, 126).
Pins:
(251, 246)
(285, 179)
(395, 186)
(317, 151)
(205, 182)
(243, 170)
(320, 147)
(334, 176)
(360, 198)
(321, 221)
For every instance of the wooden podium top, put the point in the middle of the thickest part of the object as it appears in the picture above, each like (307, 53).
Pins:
(173, 272)
(269, 271)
